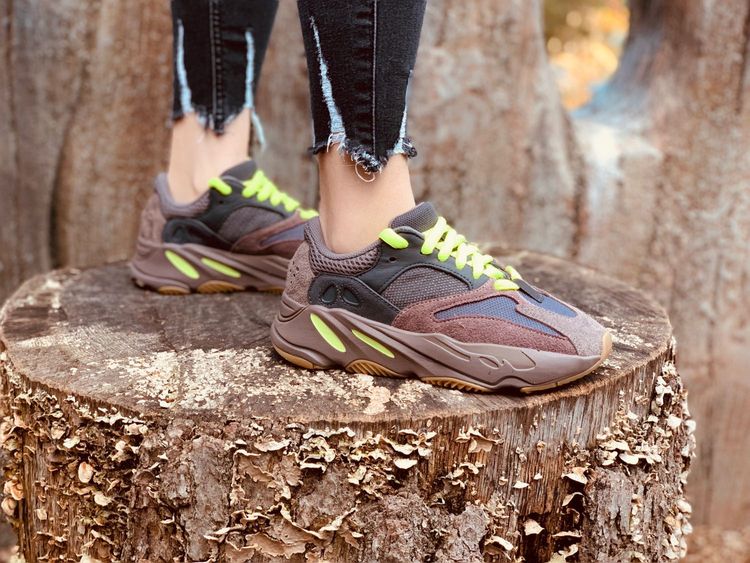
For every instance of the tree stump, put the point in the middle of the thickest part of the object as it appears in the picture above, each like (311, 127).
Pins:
(149, 428)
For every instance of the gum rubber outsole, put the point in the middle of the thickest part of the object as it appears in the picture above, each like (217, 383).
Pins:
(370, 367)
(207, 288)
(366, 367)
(606, 350)
(182, 269)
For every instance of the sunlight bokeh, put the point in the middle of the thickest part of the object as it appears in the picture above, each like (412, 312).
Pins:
(584, 42)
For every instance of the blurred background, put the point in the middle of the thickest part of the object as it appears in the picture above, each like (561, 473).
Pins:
(609, 133)
(584, 39)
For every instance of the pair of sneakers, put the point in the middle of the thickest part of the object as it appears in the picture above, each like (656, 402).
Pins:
(420, 301)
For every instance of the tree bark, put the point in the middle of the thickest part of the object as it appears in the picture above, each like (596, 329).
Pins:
(649, 183)
(149, 428)
(668, 167)
(84, 96)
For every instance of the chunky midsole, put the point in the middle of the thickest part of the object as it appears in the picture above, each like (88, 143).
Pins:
(189, 266)
(329, 338)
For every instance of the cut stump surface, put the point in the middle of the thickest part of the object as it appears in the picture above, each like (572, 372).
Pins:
(152, 428)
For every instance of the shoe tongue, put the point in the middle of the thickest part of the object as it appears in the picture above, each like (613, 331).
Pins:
(241, 172)
(421, 218)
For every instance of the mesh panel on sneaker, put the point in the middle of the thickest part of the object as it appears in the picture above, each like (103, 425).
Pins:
(496, 307)
(241, 172)
(348, 266)
(421, 217)
(323, 260)
(422, 283)
(246, 220)
(170, 208)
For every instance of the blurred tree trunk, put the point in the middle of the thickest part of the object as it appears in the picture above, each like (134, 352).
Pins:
(668, 198)
(85, 90)
(649, 183)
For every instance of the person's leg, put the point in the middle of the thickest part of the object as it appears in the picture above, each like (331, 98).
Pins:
(215, 221)
(384, 288)
(360, 56)
(219, 47)
(198, 154)
(353, 212)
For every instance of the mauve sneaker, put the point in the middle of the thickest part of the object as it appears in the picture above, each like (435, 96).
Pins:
(239, 235)
(423, 302)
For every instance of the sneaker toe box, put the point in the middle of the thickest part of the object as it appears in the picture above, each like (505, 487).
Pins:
(585, 333)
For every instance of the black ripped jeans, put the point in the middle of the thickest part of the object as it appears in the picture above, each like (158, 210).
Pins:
(360, 59)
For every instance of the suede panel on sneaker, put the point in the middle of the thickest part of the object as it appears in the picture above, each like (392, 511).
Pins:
(299, 275)
(420, 317)
(152, 220)
(584, 332)
(255, 241)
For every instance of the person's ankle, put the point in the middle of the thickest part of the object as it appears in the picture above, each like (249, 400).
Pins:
(351, 232)
(188, 183)
(198, 154)
(353, 211)
(182, 187)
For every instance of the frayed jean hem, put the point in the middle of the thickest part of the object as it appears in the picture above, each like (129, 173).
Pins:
(362, 155)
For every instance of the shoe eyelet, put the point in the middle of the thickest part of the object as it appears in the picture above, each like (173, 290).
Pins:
(392, 258)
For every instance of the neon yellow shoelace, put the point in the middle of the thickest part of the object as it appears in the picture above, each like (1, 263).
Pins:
(452, 245)
(263, 189)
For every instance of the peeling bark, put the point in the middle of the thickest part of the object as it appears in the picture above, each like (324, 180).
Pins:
(649, 183)
(668, 168)
(144, 430)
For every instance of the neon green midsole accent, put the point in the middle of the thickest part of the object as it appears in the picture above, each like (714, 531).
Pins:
(373, 343)
(221, 268)
(184, 267)
(327, 333)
